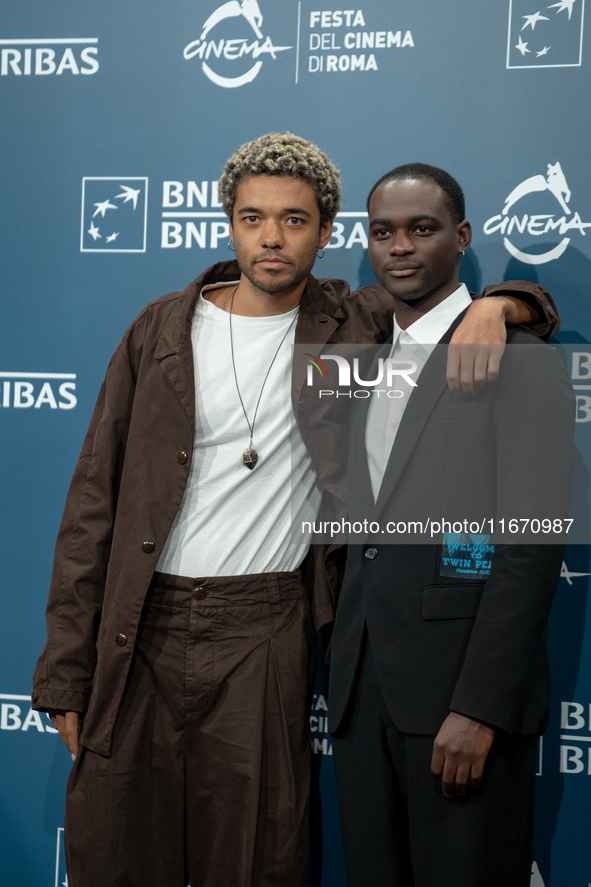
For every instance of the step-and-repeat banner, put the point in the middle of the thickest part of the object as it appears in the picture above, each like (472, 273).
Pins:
(116, 121)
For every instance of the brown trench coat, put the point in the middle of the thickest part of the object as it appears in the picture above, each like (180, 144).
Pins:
(130, 479)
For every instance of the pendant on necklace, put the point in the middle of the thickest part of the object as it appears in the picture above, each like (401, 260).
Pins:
(250, 456)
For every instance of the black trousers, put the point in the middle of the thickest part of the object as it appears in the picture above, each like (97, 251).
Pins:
(399, 829)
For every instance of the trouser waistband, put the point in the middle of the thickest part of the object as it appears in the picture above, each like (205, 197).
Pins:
(272, 587)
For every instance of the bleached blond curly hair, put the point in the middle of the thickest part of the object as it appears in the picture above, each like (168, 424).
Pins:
(283, 154)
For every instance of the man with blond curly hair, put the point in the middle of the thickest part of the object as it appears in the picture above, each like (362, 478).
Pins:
(181, 643)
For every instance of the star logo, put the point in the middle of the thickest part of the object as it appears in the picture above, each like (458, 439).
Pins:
(125, 195)
(129, 194)
(564, 4)
(553, 40)
(521, 46)
(103, 207)
(533, 20)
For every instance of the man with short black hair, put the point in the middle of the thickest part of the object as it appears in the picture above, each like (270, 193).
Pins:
(439, 671)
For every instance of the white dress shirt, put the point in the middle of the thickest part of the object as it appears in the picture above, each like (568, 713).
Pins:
(388, 404)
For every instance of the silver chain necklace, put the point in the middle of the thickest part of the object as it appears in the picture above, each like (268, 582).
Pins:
(249, 455)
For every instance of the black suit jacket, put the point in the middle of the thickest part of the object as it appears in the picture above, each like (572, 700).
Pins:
(475, 646)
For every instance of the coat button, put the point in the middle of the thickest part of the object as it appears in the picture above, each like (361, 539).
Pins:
(200, 594)
(34, 696)
(148, 547)
(121, 640)
(181, 457)
(371, 553)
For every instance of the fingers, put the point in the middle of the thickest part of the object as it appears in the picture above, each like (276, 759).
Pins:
(453, 368)
(67, 723)
(494, 362)
(476, 772)
(459, 754)
(460, 368)
(72, 730)
(448, 778)
(437, 761)
(480, 367)
(472, 366)
(467, 360)
(461, 780)
(456, 778)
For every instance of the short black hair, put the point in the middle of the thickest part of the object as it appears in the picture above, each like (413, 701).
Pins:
(453, 194)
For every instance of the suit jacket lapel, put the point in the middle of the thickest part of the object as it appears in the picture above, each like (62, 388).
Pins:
(431, 385)
(359, 489)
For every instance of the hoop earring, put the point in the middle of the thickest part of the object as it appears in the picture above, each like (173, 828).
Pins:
(231, 246)
(462, 254)
(320, 253)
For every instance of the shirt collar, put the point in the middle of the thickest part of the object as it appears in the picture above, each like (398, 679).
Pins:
(429, 328)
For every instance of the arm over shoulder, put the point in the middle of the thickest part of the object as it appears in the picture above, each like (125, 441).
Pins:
(536, 297)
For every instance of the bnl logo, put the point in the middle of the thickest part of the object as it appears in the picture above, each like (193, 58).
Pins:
(61, 878)
(581, 377)
(114, 214)
(576, 720)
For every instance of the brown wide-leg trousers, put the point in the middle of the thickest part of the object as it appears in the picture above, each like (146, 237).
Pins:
(208, 778)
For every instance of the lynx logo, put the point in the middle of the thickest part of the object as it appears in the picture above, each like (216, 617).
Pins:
(555, 184)
(61, 878)
(114, 214)
(237, 49)
(64, 55)
(38, 390)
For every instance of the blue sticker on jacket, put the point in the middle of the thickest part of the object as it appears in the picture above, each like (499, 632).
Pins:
(465, 556)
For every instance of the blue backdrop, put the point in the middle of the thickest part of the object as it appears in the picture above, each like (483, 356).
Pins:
(116, 122)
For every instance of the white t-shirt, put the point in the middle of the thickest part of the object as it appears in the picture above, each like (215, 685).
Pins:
(232, 520)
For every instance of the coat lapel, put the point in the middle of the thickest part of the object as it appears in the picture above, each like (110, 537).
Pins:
(431, 385)
(318, 318)
(323, 425)
(174, 349)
